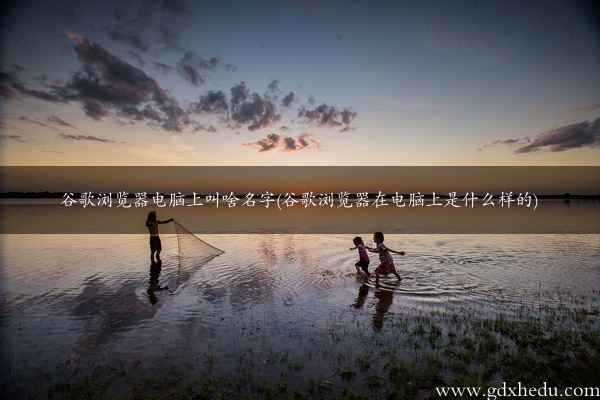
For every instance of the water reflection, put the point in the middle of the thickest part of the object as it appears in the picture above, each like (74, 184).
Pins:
(104, 310)
(362, 296)
(154, 282)
(92, 294)
(384, 302)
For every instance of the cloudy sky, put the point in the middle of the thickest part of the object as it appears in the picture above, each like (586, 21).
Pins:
(299, 82)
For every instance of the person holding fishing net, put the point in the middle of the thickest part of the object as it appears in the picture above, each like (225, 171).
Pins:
(192, 253)
(155, 244)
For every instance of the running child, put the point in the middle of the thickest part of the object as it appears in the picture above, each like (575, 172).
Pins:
(363, 262)
(386, 265)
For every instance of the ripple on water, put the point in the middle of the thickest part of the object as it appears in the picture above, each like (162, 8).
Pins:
(104, 279)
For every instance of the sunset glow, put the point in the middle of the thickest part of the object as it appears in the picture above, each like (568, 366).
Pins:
(299, 83)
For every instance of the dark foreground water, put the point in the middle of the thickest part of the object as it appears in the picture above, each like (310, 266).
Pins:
(269, 302)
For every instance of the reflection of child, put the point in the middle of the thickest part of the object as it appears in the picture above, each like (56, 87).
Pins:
(386, 265)
(363, 262)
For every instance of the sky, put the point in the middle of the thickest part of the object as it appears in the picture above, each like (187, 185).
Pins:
(299, 83)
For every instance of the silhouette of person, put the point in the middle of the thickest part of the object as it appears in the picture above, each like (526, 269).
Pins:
(155, 244)
(386, 265)
(155, 269)
(362, 295)
(385, 298)
(384, 302)
(363, 262)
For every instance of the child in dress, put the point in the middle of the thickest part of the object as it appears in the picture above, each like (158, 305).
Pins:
(386, 265)
(363, 262)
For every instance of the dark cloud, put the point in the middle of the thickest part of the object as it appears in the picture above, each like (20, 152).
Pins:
(302, 142)
(210, 64)
(307, 142)
(16, 69)
(289, 143)
(106, 84)
(285, 143)
(52, 151)
(214, 102)
(85, 137)
(510, 142)
(191, 67)
(94, 109)
(131, 38)
(36, 122)
(326, 115)
(53, 96)
(137, 57)
(152, 23)
(164, 68)
(230, 68)
(255, 111)
(18, 138)
(583, 134)
(11, 87)
(7, 89)
(252, 109)
(168, 38)
(269, 143)
(189, 71)
(507, 142)
(347, 116)
(288, 99)
(42, 78)
(204, 128)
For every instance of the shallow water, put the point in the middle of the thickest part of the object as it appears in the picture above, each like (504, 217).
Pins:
(76, 296)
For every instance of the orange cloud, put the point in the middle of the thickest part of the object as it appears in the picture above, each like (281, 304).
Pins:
(285, 143)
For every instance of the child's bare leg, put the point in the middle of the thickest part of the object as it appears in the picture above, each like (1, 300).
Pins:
(158, 256)
(357, 269)
(397, 275)
(376, 278)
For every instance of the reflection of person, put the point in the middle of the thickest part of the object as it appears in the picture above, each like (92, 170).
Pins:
(386, 262)
(155, 244)
(154, 282)
(363, 262)
(362, 295)
(384, 303)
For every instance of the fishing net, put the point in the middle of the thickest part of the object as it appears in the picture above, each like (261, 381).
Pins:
(193, 253)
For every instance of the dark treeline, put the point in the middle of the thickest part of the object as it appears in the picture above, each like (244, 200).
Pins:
(31, 195)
